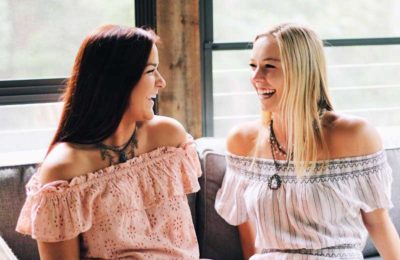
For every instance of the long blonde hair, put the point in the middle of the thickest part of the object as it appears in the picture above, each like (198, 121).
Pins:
(305, 92)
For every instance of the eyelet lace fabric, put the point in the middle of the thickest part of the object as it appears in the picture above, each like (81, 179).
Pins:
(137, 209)
(319, 210)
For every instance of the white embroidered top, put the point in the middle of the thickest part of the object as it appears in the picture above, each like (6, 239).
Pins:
(317, 211)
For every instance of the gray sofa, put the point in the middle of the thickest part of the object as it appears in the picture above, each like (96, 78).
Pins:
(217, 239)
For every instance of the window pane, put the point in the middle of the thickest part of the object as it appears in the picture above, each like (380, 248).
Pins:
(39, 38)
(331, 19)
(363, 82)
(26, 131)
(234, 98)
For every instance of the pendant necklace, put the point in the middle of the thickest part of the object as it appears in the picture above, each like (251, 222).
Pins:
(121, 151)
(275, 181)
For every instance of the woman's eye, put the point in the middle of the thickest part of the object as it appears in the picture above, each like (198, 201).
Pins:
(269, 66)
(252, 66)
(150, 71)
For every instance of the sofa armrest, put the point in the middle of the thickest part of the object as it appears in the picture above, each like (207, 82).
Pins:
(12, 196)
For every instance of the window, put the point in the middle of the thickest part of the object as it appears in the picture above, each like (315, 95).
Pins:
(331, 19)
(36, 55)
(362, 50)
(43, 44)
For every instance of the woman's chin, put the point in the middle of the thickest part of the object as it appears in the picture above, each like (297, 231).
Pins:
(149, 115)
(266, 109)
(146, 116)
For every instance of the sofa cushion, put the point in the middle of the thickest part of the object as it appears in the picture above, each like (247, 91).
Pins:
(219, 240)
(12, 197)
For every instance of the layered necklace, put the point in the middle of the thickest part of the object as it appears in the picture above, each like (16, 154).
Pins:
(275, 181)
(121, 151)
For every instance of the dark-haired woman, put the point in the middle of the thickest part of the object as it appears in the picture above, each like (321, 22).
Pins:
(115, 178)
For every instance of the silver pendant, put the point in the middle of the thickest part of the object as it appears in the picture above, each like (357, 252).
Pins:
(274, 182)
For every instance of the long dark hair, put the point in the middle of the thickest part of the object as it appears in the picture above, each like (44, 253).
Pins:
(107, 67)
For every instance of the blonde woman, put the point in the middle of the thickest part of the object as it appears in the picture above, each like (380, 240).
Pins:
(305, 182)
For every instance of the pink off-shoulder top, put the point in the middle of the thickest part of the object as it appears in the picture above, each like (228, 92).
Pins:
(134, 210)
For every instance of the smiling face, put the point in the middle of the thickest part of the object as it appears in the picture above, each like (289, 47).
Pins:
(267, 75)
(146, 90)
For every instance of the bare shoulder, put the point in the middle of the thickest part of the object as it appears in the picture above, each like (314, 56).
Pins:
(350, 136)
(166, 131)
(64, 162)
(242, 138)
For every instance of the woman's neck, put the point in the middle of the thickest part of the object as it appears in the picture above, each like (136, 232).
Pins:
(280, 129)
(121, 135)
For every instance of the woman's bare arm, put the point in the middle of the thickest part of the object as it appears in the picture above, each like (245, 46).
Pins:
(383, 233)
(68, 249)
(247, 239)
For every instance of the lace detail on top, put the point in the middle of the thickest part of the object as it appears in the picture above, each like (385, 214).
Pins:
(120, 207)
(318, 210)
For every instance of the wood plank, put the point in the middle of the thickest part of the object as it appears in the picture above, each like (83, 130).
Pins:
(179, 29)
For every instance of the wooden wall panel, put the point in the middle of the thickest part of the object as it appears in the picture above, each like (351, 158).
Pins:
(179, 51)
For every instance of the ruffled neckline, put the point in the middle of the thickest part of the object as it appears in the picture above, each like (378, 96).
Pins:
(139, 162)
(141, 183)
(141, 159)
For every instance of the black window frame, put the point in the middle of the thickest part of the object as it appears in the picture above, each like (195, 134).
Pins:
(46, 90)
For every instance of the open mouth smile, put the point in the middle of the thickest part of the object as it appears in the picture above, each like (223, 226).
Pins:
(152, 98)
(266, 93)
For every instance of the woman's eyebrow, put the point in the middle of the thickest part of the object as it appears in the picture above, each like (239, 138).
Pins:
(152, 64)
(271, 59)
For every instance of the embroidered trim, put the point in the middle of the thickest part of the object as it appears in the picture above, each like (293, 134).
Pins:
(347, 251)
(334, 171)
(264, 164)
(264, 177)
(344, 255)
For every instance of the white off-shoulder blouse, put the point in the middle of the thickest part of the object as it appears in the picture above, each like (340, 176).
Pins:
(318, 214)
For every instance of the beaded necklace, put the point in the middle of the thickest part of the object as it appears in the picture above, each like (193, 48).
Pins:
(121, 150)
(275, 181)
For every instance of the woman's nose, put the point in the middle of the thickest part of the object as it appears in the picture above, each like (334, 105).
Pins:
(160, 81)
(258, 75)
